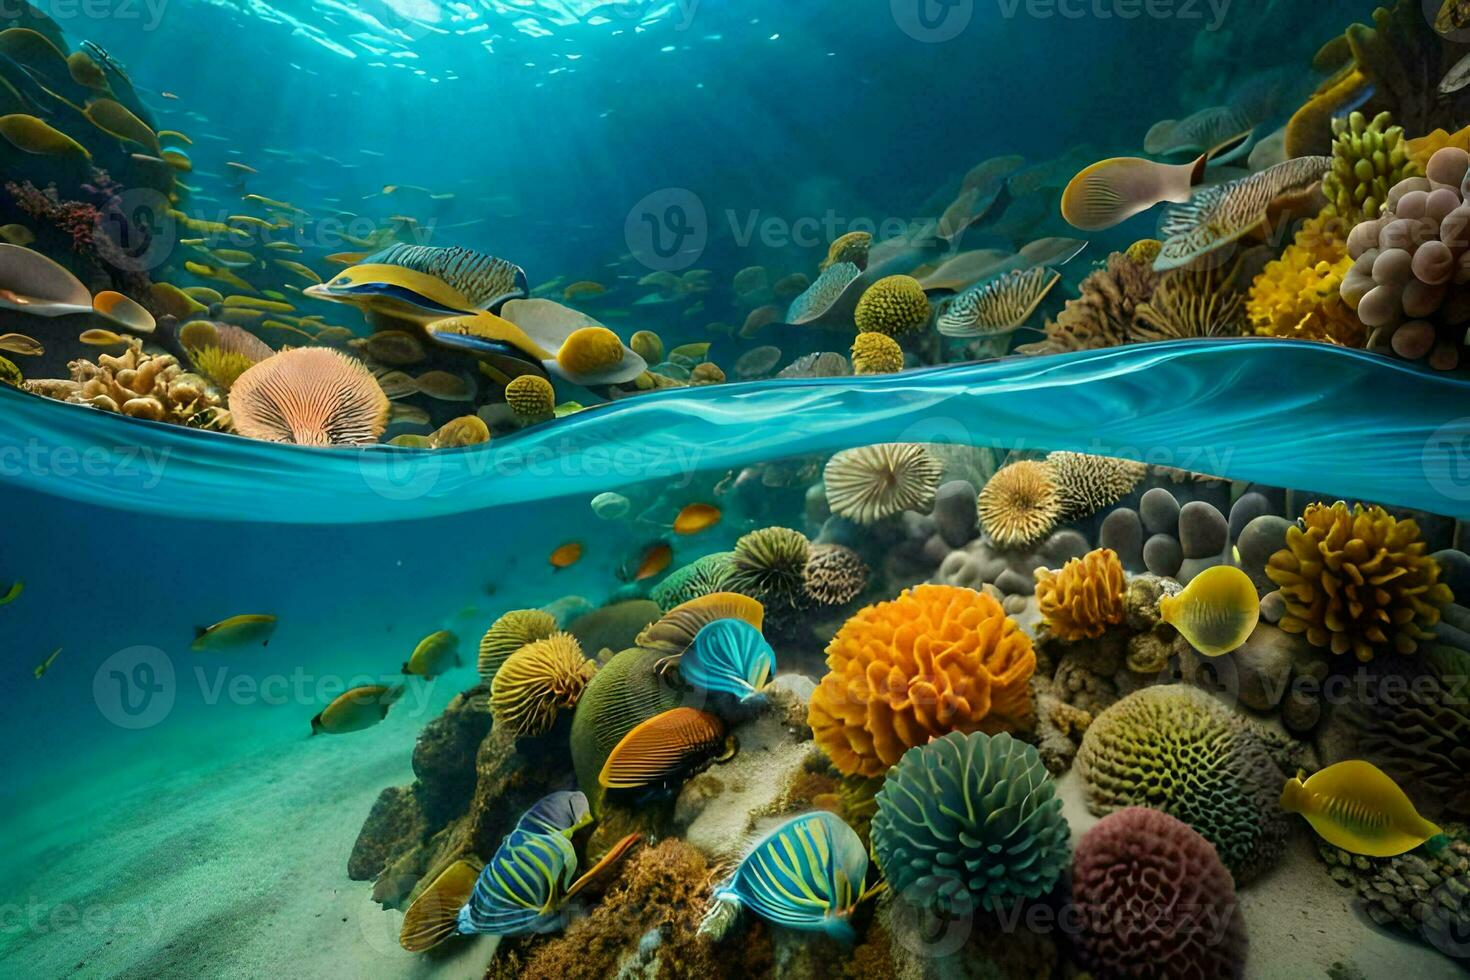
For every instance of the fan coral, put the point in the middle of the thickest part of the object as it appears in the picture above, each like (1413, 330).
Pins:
(537, 681)
(1084, 598)
(1198, 300)
(970, 820)
(311, 396)
(851, 247)
(1357, 580)
(531, 398)
(870, 483)
(1086, 483)
(937, 659)
(1153, 900)
(1175, 748)
(1405, 279)
(1020, 504)
(1298, 295)
(835, 575)
(1368, 158)
(769, 564)
(1105, 312)
(893, 306)
(508, 634)
(146, 386)
(876, 353)
(701, 577)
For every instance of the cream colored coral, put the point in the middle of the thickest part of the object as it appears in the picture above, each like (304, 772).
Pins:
(141, 385)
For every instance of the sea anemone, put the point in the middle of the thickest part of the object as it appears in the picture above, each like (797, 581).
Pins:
(835, 575)
(1175, 748)
(870, 483)
(1153, 900)
(851, 247)
(935, 660)
(1084, 598)
(508, 634)
(970, 820)
(1105, 313)
(894, 306)
(1087, 483)
(1298, 295)
(531, 398)
(1020, 504)
(311, 396)
(1357, 580)
(537, 681)
(221, 351)
(770, 565)
(1368, 159)
(590, 350)
(876, 353)
(1198, 300)
(701, 577)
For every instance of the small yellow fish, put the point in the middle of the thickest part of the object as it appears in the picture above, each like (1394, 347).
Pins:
(347, 258)
(566, 555)
(100, 338)
(585, 287)
(175, 134)
(17, 234)
(654, 561)
(256, 303)
(357, 709)
(1354, 805)
(237, 631)
(235, 258)
(1216, 612)
(243, 168)
(12, 593)
(695, 518)
(45, 665)
(222, 275)
(250, 219)
(435, 654)
(19, 343)
(284, 247)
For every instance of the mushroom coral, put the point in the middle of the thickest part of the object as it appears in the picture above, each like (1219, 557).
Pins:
(1020, 504)
(310, 396)
(870, 483)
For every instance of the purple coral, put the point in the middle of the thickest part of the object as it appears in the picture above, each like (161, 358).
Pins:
(1153, 899)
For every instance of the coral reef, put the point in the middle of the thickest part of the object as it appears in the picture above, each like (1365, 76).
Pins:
(1196, 300)
(310, 396)
(1020, 504)
(894, 306)
(835, 575)
(701, 577)
(1105, 312)
(769, 564)
(1087, 483)
(1298, 296)
(970, 821)
(851, 247)
(145, 386)
(538, 680)
(508, 634)
(531, 398)
(876, 353)
(935, 660)
(1084, 598)
(870, 483)
(1368, 159)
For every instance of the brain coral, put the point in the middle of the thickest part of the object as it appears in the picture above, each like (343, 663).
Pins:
(1153, 900)
(1085, 597)
(1298, 295)
(894, 306)
(1020, 504)
(937, 659)
(536, 682)
(876, 353)
(531, 398)
(769, 564)
(970, 820)
(834, 574)
(508, 634)
(1087, 483)
(1175, 748)
(870, 483)
(1358, 581)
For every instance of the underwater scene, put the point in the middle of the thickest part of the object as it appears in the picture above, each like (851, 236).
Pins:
(657, 489)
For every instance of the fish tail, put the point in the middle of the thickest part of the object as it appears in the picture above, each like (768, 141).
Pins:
(434, 915)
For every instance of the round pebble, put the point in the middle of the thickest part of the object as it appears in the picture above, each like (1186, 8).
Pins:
(1246, 509)
(1159, 511)
(1203, 530)
(1162, 555)
(1122, 531)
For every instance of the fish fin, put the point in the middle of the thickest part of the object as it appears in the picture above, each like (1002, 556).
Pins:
(434, 915)
(612, 857)
(1222, 152)
(630, 367)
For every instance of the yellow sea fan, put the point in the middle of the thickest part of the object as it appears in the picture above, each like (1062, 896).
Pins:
(1358, 580)
(1020, 504)
(1085, 597)
(895, 305)
(937, 659)
(1297, 296)
(537, 681)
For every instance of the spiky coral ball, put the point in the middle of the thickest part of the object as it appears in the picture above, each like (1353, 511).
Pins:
(1153, 900)
(1358, 581)
(851, 247)
(835, 574)
(1368, 158)
(1298, 295)
(876, 353)
(1020, 504)
(508, 634)
(531, 398)
(1085, 597)
(770, 565)
(536, 682)
(895, 306)
(1175, 748)
(870, 483)
(970, 821)
(590, 350)
(1087, 483)
(935, 660)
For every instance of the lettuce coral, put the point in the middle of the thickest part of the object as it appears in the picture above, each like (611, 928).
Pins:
(1084, 598)
(1297, 296)
(937, 659)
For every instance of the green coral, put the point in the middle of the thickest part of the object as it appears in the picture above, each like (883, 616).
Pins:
(698, 578)
(624, 692)
(970, 820)
(1368, 158)
(1175, 748)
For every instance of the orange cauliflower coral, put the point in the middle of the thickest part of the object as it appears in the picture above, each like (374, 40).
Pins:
(1085, 597)
(1358, 580)
(1297, 295)
(937, 659)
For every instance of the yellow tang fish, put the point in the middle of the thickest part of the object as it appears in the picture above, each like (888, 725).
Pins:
(237, 631)
(1216, 612)
(435, 654)
(45, 665)
(360, 708)
(695, 518)
(1354, 805)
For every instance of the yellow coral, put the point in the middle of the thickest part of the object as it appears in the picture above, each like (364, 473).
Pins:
(1084, 598)
(895, 305)
(1020, 504)
(1297, 296)
(1145, 250)
(1368, 158)
(221, 366)
(1358, 580)
(937, 659)
(531, 398)
(1421, 149)
(537, 681)
(876, 353)
(851, 247)
(590, 350)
